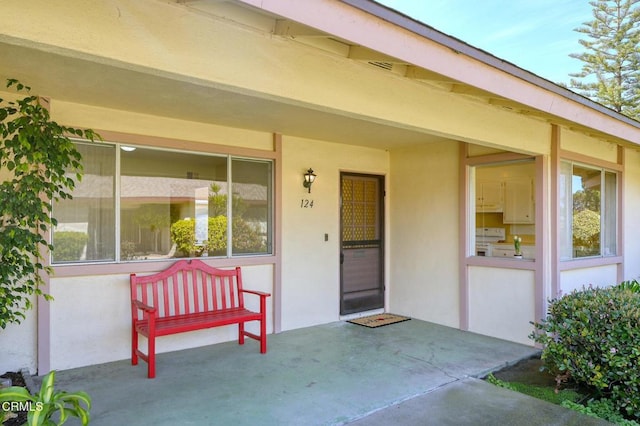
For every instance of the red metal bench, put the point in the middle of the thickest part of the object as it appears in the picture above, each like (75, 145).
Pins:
(190, 295)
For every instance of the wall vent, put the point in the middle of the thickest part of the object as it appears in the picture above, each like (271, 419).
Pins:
(384, 65)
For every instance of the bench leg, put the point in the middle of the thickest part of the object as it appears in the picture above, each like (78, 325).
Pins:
(263, 335)
(241, 333)
(134, 346)
(151, 371)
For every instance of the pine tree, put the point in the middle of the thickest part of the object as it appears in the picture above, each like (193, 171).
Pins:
(611, 63)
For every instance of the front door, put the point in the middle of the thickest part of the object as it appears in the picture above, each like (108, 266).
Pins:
(362, 244)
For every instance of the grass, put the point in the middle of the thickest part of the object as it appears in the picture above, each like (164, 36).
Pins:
(544, 393)
(567, 398)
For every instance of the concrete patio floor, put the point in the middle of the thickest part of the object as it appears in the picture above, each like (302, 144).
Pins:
(412, 372)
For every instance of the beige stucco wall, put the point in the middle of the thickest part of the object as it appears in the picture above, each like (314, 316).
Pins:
(424, 232)
(93, 117)
(631, 214)
(502, 303)
(578, 279)
(311, 265)
(583, 144)
(18, 348)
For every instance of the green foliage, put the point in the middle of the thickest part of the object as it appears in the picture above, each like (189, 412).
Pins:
(69, 245)
(46, 403)
(603, 409)
(217, 235)
(631, 285)
(610, 68)
(586, 232)
(592, 336)
(587, 199)
(218, 203)
(544, 393)
(36, 154)
(246, 238)
(183, 234)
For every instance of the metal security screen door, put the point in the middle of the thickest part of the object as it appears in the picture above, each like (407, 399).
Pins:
(362, 246)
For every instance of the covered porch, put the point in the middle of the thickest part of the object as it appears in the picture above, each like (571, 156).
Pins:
(344, 87)
(335, 373)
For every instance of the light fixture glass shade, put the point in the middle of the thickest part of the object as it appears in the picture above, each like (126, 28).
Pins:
(309, 178)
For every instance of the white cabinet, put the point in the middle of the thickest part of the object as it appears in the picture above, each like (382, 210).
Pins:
(508, 250)
(489, 196)
(519, 201)
(502, 251)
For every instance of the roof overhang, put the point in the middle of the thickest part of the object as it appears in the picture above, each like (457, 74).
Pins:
(365, 30)
(393, 37)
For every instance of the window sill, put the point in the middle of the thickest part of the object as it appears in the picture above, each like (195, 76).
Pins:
(142, 266)
(589, 262)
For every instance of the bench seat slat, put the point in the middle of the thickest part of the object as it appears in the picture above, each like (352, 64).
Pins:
(190, 322)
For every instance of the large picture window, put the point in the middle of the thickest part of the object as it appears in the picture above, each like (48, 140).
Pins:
(169, 204)
(588, 211)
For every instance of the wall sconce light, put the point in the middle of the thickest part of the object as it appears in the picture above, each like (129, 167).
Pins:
(309, 178)
(127, 148)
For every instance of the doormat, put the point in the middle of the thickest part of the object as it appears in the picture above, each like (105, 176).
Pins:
(379, 320)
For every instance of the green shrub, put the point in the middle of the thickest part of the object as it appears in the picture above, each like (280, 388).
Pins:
(592, 336)
(246, 238)
(68, 245)
(183, 234)
(602, 409)
(632, 285)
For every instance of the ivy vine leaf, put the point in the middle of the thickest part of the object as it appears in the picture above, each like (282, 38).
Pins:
(37, 159)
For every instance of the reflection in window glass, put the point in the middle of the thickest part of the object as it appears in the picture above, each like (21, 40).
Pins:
(588, 211)
(586, 185)
(86, 223)
(251, 207)
(168, 206)
(171, 204)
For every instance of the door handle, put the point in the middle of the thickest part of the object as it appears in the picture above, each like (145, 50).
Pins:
(341, 258)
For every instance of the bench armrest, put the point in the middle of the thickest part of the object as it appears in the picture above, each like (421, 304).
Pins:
(259, 293)
(143, 307)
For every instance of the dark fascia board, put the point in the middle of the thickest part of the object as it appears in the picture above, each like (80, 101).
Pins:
(410, 24)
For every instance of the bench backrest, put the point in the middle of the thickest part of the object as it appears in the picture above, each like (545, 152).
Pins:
(188, 286)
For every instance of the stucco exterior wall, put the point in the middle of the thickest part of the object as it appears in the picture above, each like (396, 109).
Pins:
(98, 118)
(424, 232)
(502, 303)
(631, 210)
(311, 265)
(18, 348)
(577, 279)
(580, 143)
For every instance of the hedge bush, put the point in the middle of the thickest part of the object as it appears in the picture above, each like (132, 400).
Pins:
(592, 336)
(246, 238)
(69, 245)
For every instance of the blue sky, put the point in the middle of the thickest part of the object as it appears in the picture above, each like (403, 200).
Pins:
(537, 35)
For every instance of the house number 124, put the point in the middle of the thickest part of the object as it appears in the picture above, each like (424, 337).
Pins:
(306, 203)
